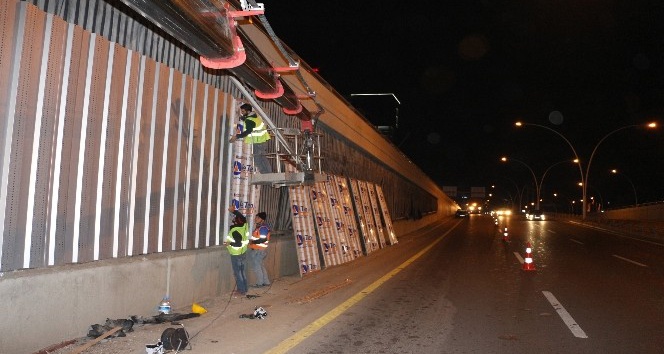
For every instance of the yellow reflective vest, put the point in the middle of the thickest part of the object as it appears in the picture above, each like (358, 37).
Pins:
(233, 248)
(259, 134)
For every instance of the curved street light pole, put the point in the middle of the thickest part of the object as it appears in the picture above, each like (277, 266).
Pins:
(576, 156)
(549, 168)
(537, 186)
(584, 178)
(636, 200)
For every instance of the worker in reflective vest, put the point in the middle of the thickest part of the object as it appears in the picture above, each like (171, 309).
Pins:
(258, 243)
(236, 243)
(255, 130)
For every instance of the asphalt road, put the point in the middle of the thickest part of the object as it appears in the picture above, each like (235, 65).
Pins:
(456, 287)
(591, 292)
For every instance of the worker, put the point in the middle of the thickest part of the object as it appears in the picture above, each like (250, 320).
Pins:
(236, 243)
(258, 243)
(255, 130)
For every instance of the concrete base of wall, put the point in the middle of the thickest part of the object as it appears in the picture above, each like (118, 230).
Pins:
(52, 305)
(47, 306)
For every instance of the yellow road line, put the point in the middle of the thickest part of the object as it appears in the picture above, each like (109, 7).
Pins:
(292, 341)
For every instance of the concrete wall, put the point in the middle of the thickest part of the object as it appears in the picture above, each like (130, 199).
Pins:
(42, 307)
(47, 306)
(653, 212)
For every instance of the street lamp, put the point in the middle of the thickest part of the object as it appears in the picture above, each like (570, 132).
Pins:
(636, 200)
(537, 189)
(584, 178)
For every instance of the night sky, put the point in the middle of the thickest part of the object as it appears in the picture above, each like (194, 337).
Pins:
(465, 71)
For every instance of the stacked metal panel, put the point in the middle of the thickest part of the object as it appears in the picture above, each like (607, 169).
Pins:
(363, 213)
(375, 213)
(344, 216)
(332, 234)
(385, 212)
(303, 228)
(245, 196)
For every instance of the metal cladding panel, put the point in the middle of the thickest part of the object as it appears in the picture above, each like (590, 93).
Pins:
(340, 189)
(366, 211)
(303, 229)
(184, 117)
(194, 169)
(144, 122)
(375, 213)
(156, 156)
(70, 145)
(9, 38)
(130, 102)
(225, 165)
(368, 242)
(92, 148)
(206, 175)
(385, 212)
(49, 121)
(22, 143)
(327, 232)
(107, 220)
(171, 162)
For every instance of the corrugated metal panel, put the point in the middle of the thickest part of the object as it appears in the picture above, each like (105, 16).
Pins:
(109, 153)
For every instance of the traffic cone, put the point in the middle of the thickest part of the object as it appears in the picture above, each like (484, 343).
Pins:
(506, 237)
(528, 260)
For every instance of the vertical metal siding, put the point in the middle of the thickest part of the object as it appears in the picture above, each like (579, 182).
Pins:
(116, 141)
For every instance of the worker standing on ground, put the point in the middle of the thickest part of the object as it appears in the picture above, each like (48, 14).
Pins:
(236, 243)
(255, 130)
(258, 243)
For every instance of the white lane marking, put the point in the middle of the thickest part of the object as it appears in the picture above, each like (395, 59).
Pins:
(565, 316)
(518, 256)
(551, 231)
(577, 241)
(630, 261)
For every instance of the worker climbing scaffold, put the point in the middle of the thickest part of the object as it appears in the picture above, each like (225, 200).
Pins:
(256, 134)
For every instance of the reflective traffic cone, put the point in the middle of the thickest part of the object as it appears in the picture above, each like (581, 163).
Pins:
(528, 260)
(506, 237)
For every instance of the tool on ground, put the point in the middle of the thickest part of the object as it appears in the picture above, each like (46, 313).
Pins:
(175, 338)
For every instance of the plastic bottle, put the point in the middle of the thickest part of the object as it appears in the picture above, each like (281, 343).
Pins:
(165, 306)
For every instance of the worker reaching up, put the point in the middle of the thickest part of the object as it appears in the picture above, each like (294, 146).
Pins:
(255, 132)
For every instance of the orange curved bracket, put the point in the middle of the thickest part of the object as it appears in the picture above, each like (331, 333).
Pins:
(239, 55)
(233, 61)
(271, 95)
(292, 112)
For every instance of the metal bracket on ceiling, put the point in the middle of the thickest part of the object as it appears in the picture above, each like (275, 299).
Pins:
(271, 95)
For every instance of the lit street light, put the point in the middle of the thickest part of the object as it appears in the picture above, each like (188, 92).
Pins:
(636, 200)
(584, 178)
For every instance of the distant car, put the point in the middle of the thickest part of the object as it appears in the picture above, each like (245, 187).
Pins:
(535, 215)
(461, 213)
